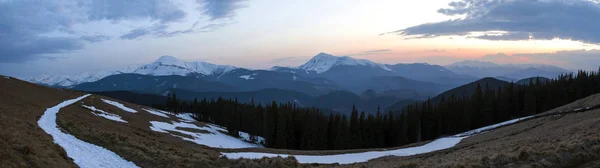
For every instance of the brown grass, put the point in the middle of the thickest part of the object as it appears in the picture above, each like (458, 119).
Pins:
(566, 140)
(22, 142)
(135, 142)
(561, 140)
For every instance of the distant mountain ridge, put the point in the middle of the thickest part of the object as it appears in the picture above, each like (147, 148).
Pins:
(322, 75)
(482, 69)
(163, 66)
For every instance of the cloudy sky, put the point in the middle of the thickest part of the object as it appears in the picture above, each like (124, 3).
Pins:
(69, 37)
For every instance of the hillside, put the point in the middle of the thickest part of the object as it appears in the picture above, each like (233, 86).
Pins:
(469, 89)
(135, 133)
(567, 136)
(559, 138)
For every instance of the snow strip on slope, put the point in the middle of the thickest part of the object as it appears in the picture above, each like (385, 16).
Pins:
(247, 77)
(119, 105)
(156, 112)
(102, 113)
(439, 144)
(491, 127)
(246, 137)
(215, 138)
(83, 154)
(186, 117)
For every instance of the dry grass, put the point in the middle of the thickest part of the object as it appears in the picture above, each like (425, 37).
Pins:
(22, 142)
(562, 140)
(565, 140)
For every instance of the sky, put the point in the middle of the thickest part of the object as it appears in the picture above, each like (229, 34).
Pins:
(69, 37)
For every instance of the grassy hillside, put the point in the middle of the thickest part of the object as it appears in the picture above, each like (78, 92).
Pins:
(557, 138)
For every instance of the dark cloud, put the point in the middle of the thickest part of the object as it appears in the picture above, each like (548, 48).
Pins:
(162, 10)
(135, 33)
(32, 29)
(95, 38)
(161, 31)
(278, 60)
(20, 24)
(520, 19)
(20, 49)
(377, 51)
(219, 9)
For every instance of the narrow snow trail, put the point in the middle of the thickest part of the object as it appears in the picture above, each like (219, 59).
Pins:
(83, 154)
(438, 144)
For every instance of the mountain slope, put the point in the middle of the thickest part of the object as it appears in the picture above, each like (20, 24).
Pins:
(469, 89)
(152, 84)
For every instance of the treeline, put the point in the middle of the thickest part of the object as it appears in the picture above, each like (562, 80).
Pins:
(488, 106)
(286, 126)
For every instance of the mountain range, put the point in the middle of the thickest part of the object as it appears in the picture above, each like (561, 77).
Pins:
(322, 81)
(512, 72)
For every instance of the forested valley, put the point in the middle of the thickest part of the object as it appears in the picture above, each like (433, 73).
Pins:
(287, 126)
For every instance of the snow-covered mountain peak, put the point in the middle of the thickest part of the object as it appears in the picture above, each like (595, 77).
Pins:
(323, 62)
(169, 65)
(170, 60)
(164, 65)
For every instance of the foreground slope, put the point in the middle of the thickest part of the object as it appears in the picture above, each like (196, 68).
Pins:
(561, 138)
(112, 125)
(22, 142)
(558, 138)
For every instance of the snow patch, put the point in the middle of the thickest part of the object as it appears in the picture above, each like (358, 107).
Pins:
(156, 112)
(102, 113)
(83, 154)
(247, 137)
(119, 105)
(214, 138)
(186, 117)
